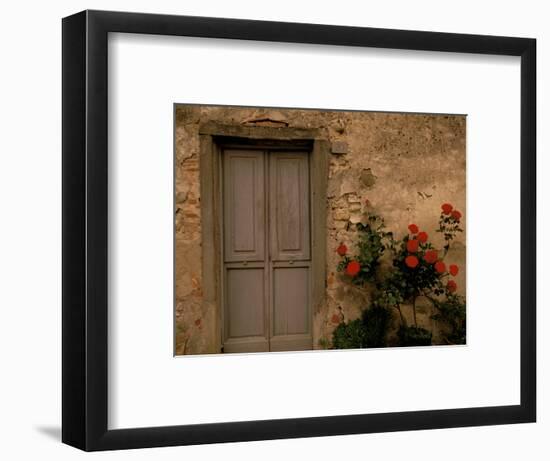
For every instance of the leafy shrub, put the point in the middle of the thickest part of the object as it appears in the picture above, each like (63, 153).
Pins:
(414, 336)
(376, 323)
(369, 331)
(418, 269)
(349, 335)
(372, 242)
(452, 311)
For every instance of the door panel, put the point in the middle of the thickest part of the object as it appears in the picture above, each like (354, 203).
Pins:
(289, 205)
(245, 301)
(290, 300)
(244, 205)
(245, 321)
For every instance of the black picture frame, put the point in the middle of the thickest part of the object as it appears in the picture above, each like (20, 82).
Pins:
(85, 219)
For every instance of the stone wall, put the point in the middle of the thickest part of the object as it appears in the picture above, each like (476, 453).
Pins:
(405, 165)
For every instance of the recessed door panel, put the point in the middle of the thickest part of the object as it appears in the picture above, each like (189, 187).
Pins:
(244, 205)
(290, 300)
(289, 205)
(245, 303)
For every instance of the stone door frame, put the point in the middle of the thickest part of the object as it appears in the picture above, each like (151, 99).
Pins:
(212, 135)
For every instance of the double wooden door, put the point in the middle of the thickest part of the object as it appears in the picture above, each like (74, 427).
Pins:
(267, 250)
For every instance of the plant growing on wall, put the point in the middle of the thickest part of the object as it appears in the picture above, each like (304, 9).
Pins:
(417, 269)
(368, 331)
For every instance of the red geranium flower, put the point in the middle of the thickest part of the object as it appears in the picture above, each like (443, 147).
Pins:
(456, 215)
(413, 228)
(440, 267)
(430, 256)
(353, 268)
(422, 237)
(447, 208)
(342, 250)
(451, 286)
(335, 318)
(453, 269)
(412, 246)
(411, 261)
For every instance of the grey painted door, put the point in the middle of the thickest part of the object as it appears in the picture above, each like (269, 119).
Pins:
(266, 227)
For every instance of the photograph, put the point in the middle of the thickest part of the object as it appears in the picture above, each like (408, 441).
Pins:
(316, 229)
(275, 230)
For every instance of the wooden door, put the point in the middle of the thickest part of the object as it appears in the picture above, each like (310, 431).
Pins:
(266, 237)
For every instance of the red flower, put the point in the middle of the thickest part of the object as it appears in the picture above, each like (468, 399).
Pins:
(456, 215)
(411, 261)
(430, 256)
(413, 228)
(453, 269)
(342, 250)
(440, 267)
(451, 286)
(353, 268)
(447, 208)
(335, 318)
(422, 237)
(412, 246)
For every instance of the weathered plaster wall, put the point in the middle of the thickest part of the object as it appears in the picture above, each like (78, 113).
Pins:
(405, 165)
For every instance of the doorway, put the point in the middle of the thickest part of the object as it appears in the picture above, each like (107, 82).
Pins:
(281, 269)
(266, 227)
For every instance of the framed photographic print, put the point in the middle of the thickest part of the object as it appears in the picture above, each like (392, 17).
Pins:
(276, 230)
